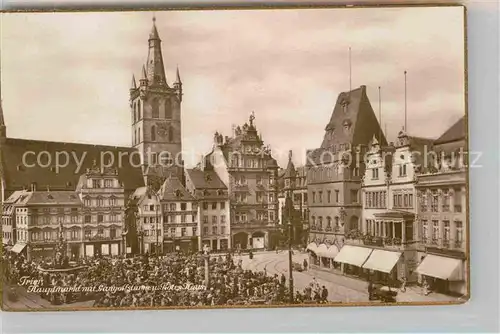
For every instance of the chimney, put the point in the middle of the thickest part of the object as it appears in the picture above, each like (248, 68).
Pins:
(33, 187)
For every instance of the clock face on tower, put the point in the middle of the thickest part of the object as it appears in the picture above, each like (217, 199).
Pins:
(162, 129)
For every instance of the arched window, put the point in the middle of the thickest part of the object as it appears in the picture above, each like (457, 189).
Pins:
(171, 134)
(139, 135)
(155, 107)
(135, 137)
(328, 221)
(139, 110)
(168, 109)
(153, 133)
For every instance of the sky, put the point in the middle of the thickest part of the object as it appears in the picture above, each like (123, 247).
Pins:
(66, 76)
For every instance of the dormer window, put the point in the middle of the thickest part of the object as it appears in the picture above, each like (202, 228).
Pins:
(220, 192)
(347, 125)
(208, 177)
(178, 193)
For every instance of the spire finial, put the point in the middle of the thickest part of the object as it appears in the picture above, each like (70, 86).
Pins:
(290, 155)
(406, 118)
(154, 17)
(178, 76)
(252, 118)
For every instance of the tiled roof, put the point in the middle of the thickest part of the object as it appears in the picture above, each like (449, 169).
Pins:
(205, 179)
(173, 190)
(456, 132)
(18, 176)
(353, 125)
(53, 198)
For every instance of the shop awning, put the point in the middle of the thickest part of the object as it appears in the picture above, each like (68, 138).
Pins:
(381, 260)
(440, 267)
(353, 255)
(312, 247)
(331, 252)
(322, 249)
(18, 248)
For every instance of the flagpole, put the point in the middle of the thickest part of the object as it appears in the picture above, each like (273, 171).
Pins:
(406, 117)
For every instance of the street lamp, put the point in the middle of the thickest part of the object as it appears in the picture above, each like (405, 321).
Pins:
(290, 278)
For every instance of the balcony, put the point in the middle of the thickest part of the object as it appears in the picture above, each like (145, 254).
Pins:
(100, 238)
(379, 242)
(450, 244)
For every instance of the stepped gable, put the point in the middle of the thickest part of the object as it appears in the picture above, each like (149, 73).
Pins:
(457, 131)
(19, 175)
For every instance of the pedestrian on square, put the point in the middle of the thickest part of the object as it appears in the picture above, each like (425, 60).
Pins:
(324, 294)
(403, 284)
(305, 265)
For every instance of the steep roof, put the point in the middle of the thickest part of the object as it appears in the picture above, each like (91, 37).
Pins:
(352, 123)
(457, 131)
(207, 179)
(19, 175)
(173, 190)
(290, 171)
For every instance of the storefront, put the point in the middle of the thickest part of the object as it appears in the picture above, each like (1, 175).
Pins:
(382, 266)
(102, 249)
(444, 274)
(42, 251)
(352, 259)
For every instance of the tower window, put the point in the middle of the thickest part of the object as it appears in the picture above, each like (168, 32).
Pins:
(171, 134)
(153, 133)
(155, 107)
(138, 135)
(135, 112)
(138, 110)
(168, 109)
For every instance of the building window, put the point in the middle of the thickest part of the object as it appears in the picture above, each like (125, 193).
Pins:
(205, 205)
(222, 219)
(205, 231)
(402, 170)
(320, 223)
(425, 231)
(168, 109)
(100, 201)
(205, 219)
(183, 232)
(328, 222)
(222, 205)
(435, 231)
(223, 230)
(375, 173)
(459, 234)
(214, 230)
(329, 196)
(112, 201)
(183, 218)
(108, 183)
(320, 196)
(195, 231)
(434, 202)
(446, 233)
(314, 197)
(153, 136)
(96, 183)
(183, 206)
(446, 202)
(100, 218)
(337, 195)
(214, 219)
(354, 196)
(258, 178)
(155, 108)
(214, 205)
(172, 232)
(173, 207)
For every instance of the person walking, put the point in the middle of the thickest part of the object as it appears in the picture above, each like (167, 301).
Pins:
(403, 284)
(324, 294)
(305, 265)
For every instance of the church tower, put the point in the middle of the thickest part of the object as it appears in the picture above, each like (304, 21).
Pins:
(156, 117)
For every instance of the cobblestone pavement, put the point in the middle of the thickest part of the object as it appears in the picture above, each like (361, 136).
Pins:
(340, 288)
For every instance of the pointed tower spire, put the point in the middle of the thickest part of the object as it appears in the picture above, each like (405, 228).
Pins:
(178, 84)
(3, 128)
(155, 69)
(144, 77)
(178, 76)
(133, 85)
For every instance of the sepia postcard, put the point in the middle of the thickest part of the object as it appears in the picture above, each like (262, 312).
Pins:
(265, 157)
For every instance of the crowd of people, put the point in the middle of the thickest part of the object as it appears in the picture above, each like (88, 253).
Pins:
(173, 280)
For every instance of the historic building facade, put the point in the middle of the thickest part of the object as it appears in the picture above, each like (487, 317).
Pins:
(103, 198)
(442, 214)
(293, 183)
(156, 117)
(39, 218)
(246, 167)
(214, 223)
(334, 172)
(387, 236)
(180, 217)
